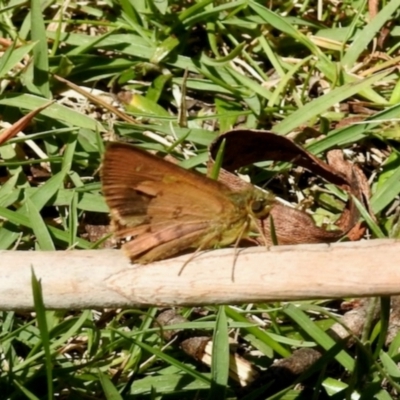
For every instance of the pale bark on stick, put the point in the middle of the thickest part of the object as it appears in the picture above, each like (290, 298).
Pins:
(106, 278)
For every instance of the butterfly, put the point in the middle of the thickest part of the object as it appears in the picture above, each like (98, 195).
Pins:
(160, 209)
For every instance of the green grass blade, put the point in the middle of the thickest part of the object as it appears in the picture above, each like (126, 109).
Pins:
(46, 192)
(39, 227)
(73, 220)
(44, 332)
(218, 161)
(19, 219)
(168, 359)
(369, 32)
(318, 106)
(12, 56)
(387, 191)
(318, 335)
(29, 395)
(109, 390)
(384, 324)
(55, 111)
(220, 357)
(40, 51)
(258, 332)
(350, 134)
(368, 219)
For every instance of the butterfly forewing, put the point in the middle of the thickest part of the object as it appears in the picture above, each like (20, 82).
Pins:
(165, 208)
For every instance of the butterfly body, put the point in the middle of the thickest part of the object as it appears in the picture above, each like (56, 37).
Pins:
(166, 209)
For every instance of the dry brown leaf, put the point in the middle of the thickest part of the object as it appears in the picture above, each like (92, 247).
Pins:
(243, 147)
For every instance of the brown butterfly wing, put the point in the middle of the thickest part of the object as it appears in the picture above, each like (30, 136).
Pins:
(166, 208)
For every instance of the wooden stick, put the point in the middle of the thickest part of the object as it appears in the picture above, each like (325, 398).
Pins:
(106, 278)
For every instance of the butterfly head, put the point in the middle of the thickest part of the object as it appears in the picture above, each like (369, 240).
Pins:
(260, 204)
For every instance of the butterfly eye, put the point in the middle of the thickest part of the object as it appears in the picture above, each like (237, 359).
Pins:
(261, 207)
(257, 206)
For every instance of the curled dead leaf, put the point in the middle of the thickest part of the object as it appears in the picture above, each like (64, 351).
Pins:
(244, 147)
